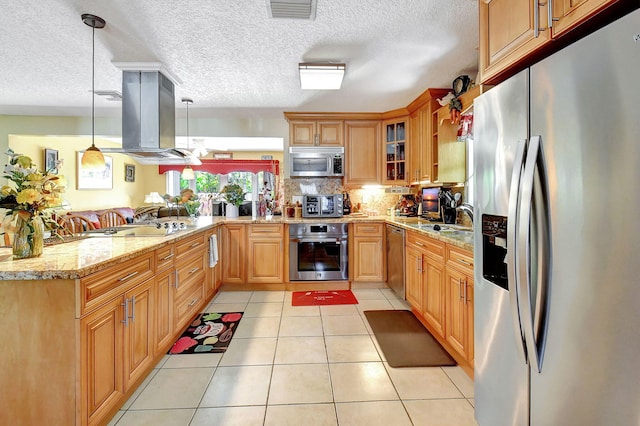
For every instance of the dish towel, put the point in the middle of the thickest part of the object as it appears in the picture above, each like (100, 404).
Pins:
(213, 250)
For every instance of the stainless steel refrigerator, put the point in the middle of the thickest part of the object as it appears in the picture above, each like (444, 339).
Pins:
(557, 238)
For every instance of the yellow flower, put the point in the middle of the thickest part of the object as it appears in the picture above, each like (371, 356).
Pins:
(28, 196)
(6, 190)
(23, 161)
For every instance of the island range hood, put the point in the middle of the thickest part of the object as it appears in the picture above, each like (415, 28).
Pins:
(149, 120)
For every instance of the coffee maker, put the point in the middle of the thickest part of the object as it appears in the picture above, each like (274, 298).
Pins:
(448, 206)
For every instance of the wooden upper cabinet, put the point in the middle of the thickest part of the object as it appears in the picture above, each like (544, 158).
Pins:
(395, 151)
(421, 136)
(414, 154)
(362, 152)
(316, 133)
(509, 31)
(568, 13)
(512, 30)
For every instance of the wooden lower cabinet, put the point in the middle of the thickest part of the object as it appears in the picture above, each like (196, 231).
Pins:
(367, 259)
(459, 303)
(434, 295)
(164, 329)
(101, 366)
(414, 283)
(233, 253)
(213, 278)
(439, 289)
(425, 279)
(139, 348)
(265, 259)
(118, 349)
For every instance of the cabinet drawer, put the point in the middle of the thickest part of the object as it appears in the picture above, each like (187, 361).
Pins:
(165, 257)
(367, 229)
(264, 230)
(190, 270)
(433, 248)
(102, 285)
(195, 243)
(462, 259)
(187, 305)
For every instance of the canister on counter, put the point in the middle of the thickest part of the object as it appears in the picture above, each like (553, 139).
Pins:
(298, 210)
(290, 211)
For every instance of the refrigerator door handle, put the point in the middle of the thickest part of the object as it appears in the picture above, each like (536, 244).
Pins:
(511, 257)
(533, 191)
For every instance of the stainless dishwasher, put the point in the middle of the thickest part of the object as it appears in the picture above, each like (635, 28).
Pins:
(395, 259)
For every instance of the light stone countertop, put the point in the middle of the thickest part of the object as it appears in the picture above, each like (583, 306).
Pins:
(79, 258)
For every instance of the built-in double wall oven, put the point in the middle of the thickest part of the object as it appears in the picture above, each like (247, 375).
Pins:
(318, 252)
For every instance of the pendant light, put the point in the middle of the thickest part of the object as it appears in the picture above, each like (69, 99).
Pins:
(187, 172)
(92, 158)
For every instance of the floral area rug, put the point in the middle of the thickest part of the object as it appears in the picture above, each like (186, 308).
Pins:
(208, 333)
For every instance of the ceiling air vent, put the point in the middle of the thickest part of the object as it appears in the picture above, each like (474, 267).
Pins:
(292, 9)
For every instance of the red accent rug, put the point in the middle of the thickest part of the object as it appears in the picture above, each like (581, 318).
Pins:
(328, 297)
(208, 333)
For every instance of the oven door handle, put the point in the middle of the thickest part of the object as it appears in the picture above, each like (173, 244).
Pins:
(318, 240)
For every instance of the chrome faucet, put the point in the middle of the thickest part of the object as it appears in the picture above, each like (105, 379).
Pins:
(468, 209)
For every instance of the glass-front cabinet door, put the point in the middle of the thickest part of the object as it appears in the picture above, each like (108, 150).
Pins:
(395, 152)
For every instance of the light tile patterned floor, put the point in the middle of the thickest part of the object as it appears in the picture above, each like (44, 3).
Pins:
(299, 365)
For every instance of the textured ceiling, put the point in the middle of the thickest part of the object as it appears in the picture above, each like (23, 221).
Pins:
(231, 58)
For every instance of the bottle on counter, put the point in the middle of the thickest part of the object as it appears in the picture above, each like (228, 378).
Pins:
(346, 204)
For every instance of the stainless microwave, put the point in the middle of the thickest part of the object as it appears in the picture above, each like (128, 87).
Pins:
(316, 161)
(322, 205)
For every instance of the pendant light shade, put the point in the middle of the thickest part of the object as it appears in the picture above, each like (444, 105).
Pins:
(92, 158)
(187, 172)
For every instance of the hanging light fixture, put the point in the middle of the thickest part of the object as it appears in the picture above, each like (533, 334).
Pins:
(92, 158)
(187, 172)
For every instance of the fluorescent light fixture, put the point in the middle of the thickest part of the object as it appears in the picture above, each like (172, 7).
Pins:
(321, 76)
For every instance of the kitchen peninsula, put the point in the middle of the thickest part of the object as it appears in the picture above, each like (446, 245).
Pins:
(86, 322)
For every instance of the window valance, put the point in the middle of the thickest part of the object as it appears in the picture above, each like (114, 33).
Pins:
(227, 166)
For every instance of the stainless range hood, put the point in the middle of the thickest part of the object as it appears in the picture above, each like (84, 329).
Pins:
(149, 120)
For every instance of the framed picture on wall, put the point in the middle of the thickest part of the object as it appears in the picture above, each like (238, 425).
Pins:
(50, 160)
(95, 179)
(129, 173)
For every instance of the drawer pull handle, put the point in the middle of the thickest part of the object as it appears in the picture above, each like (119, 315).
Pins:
(420, 244)
(168, 257)
(464, 261)
(193, 302)
(175, 282)
(126, 277)
(193, 270)
(196, 244)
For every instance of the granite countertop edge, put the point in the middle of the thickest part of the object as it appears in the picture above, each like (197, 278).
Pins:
(77, 259)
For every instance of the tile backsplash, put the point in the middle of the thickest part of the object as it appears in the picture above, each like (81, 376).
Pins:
(374, 201)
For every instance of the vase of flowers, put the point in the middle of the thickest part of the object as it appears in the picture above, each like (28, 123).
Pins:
(28, 240)
(31, 193)
(234, 196)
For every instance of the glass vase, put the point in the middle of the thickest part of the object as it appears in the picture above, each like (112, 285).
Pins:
(28, 240)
